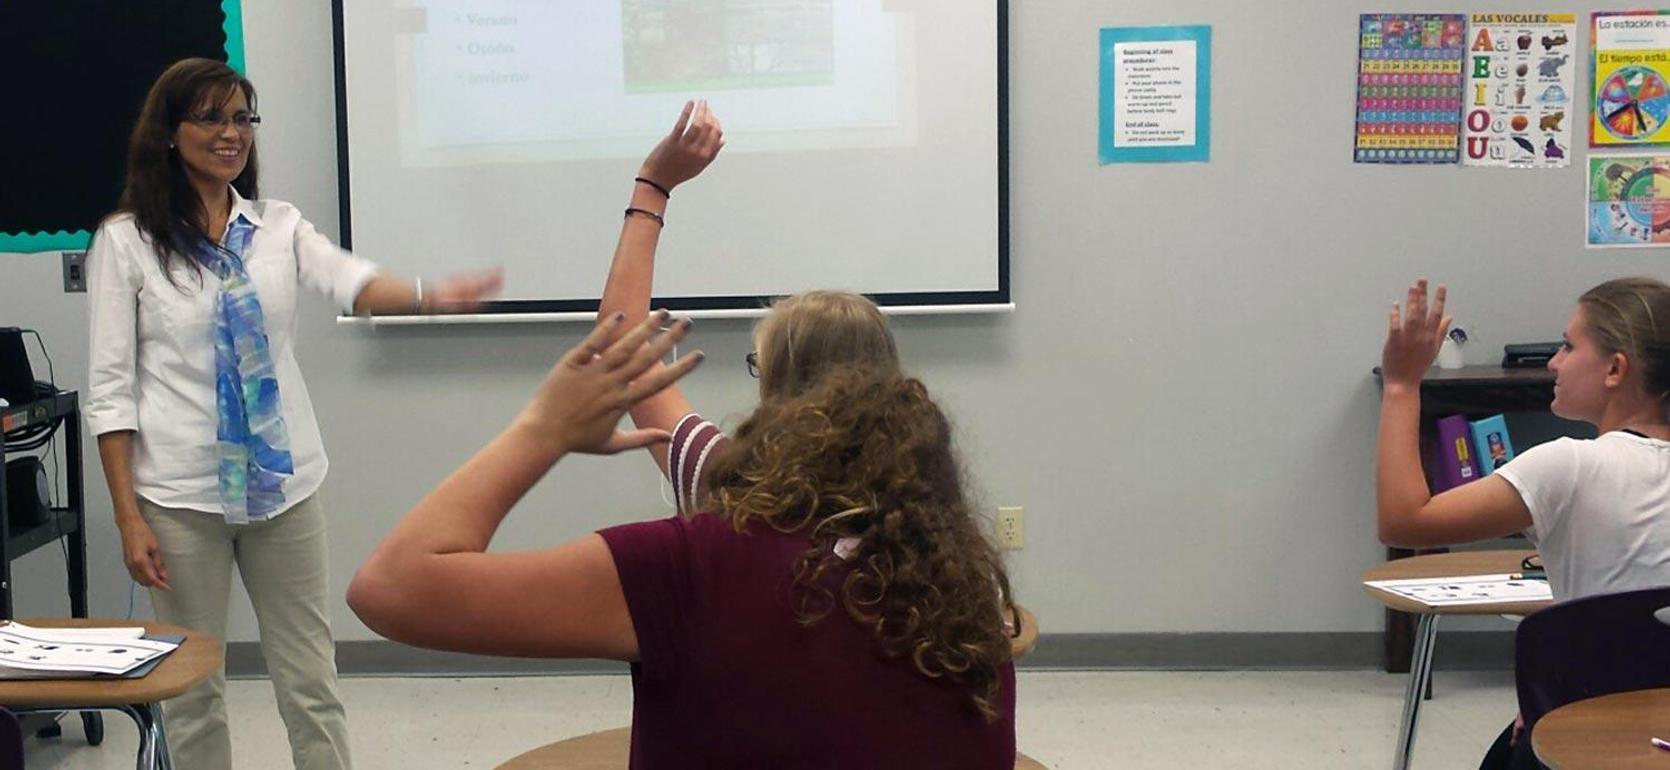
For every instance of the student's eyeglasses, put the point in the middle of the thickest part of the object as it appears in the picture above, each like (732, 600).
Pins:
(245, 122)
(753, 360)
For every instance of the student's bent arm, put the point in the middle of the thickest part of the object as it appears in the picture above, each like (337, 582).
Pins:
(693, 143)
(627, 292)
(1408, 514)
(431, 582)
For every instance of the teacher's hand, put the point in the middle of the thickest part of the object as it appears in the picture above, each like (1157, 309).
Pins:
(1413, 337)
(584, 397)
(694, 142)
(143, 555)
(464, 292)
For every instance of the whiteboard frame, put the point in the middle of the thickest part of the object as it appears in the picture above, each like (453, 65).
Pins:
(732, 306)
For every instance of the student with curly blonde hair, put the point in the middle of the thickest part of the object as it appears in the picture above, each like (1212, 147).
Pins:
(825, 597)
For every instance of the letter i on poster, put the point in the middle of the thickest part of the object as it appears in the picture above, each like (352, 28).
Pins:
(1519, 106)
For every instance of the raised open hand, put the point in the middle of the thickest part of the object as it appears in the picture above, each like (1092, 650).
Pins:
(694, 142)
(584, 397)
(1413, 336)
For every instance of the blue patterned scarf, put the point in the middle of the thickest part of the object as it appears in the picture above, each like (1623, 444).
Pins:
(253, 444)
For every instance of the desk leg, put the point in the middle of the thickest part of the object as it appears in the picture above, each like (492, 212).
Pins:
(1420, 675)
(162, 738)
(5, 535)
(78, 539)
(153, 745)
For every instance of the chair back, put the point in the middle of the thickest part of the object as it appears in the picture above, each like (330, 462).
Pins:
(11, 740)
(1593, 646)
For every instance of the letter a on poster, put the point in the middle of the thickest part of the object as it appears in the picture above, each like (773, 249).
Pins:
(1156, 94)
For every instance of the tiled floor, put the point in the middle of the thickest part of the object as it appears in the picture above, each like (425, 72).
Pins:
(1249, 719)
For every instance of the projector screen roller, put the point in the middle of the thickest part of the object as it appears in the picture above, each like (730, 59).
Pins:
(864, 145)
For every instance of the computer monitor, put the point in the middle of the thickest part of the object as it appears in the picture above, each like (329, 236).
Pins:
(17, 380)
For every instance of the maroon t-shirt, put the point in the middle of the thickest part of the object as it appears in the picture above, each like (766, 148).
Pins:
(727, 677)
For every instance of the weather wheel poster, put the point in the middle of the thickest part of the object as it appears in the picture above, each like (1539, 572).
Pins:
(1631, 95)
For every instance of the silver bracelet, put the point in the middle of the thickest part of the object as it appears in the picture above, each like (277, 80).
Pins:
(419, 307)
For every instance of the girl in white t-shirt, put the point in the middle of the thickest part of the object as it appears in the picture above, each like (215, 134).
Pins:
(1597, 509)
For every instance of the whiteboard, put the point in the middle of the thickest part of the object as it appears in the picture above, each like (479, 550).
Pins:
(865, 145)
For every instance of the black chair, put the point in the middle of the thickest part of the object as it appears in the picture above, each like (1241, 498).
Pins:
(1594, 646)
(11, 740)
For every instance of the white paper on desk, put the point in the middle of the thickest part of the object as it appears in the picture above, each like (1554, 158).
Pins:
(44, 649)
(1465, 590)
(98, 634)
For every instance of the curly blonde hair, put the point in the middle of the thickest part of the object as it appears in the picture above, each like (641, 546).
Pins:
(866, 454)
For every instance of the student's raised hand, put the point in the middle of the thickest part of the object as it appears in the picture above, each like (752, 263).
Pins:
(584, 397)
(463, 292)
(1414, 335)
(694, 142)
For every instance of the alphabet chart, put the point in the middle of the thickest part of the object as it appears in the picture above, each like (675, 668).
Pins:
(1519, 98)
(1409, 79)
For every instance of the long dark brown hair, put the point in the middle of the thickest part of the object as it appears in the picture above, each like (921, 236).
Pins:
(158, 192)
(866, 454)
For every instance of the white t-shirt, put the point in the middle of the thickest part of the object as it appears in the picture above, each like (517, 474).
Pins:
(152, 354)
(1600, 511)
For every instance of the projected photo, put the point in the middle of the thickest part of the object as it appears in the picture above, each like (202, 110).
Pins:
(677, 45)
(496, 81)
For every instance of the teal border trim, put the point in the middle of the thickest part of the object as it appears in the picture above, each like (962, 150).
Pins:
(1201, 152)
(34, 242)
(233, 12)
(28, 243)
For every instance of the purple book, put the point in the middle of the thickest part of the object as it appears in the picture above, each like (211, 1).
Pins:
(1456, 463)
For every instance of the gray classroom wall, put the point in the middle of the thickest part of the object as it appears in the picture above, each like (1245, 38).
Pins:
(1182, 400)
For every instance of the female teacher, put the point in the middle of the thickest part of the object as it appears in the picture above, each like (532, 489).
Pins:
(208, 440)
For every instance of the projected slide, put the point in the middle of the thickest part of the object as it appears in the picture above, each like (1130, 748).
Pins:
(861, 143)
(518, 80)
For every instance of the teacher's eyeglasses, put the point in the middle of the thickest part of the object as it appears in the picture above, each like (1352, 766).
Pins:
(753, 360)
(245, 122)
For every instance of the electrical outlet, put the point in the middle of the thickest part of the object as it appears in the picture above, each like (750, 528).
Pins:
(1011, 528)
(75, 271)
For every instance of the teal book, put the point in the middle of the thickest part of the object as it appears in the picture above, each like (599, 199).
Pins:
(1491, 444)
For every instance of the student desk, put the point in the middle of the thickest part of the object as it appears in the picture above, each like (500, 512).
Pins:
(1439, 565)
(1474, 391)
(1611, 731)
(184, 668)
(610, 750)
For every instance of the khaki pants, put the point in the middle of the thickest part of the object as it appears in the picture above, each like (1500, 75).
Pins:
(283, 565)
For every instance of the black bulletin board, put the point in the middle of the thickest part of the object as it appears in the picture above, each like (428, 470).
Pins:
(73, 74)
